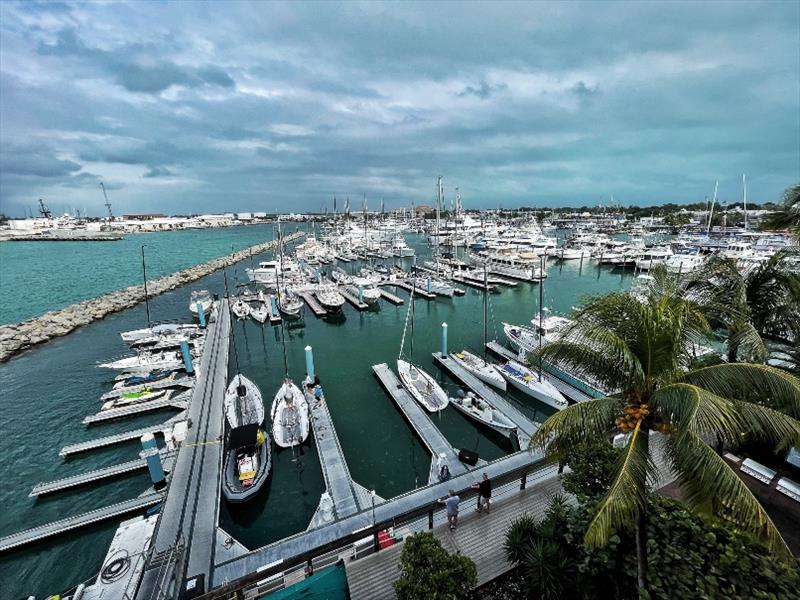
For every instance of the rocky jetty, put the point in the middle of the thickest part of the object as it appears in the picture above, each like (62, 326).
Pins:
(57, 323)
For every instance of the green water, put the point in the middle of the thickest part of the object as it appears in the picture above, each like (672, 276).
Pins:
(47, 391)
(36, 277)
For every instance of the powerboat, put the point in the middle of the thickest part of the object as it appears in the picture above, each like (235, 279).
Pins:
(525, 380)
(330, 298)
(369, 291)
(290, 419)
(200, 300)
(434, 285)
(240, 308)
(158, 329)
(290, 304)
(155, 376)
(481, 369)
(480, 410)
(422, 386)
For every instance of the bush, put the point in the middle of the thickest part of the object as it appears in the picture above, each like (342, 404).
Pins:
(428, 572)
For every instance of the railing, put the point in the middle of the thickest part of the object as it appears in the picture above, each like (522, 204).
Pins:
(356, 544)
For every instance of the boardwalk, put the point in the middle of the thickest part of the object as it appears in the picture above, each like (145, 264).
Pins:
(118, 438)
(420, 422)
(525, 427)
(479, 536)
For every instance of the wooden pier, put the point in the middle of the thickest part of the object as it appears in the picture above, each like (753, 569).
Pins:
(391, 297)
(36, 534)
(569, 390)
(179, 402)
(313, 304)
(525, 427)
(353, 300)
(421, 423)
(119, 438)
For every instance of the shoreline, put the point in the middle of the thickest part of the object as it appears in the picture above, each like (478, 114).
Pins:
(18, 337)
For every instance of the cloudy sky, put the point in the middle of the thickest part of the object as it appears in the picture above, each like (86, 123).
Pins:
(189, 107)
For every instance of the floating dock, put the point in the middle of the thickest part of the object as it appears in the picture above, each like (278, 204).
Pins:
(313, 304)
(40, 489)
(391, 297)
(570, 390)
(473, 283)
(421, 423)
(525, 427)
(185, 382)
(36, 534)
(179, 402)
(274, 313)
(417, 290)
(353, 300)
(118, 438)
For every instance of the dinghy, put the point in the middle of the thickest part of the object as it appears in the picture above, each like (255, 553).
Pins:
(479, 409)
(243, 402)
(481, 369)
(422, 386)
(248, 460)
(290, 421)
(527, 381)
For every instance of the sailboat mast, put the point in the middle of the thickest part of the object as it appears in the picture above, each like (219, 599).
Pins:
(541, 301)
(144, 278)
(744, 197)
(711, 212)
(485, 309)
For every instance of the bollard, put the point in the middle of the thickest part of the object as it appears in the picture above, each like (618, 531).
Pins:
(310, 362)
(201, 315)
(444, 340)
(187, 357)
(150, 454)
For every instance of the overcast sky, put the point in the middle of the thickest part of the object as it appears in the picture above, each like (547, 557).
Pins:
(189, 107)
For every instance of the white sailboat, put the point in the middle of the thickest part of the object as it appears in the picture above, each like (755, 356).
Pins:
(259, 312)
(243, 402)
(289, 413)
(480, 410)
(483, 370)
(422, 386)
(525, 380)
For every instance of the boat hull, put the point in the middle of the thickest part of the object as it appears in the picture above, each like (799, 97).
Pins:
(493, 422)
(522, 379)
(422, 387)
(232, 488)
(290, 420)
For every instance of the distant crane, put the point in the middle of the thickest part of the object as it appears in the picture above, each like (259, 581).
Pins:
(43, 210)
(108, 204)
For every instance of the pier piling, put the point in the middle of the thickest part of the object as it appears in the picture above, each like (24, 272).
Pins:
(187, 356)
(444, 339)
(151, 455)
(310, 362)
(201, 315)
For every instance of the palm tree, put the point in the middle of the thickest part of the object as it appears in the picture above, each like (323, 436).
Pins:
(788, 217)
(644, 349)
(761, 301)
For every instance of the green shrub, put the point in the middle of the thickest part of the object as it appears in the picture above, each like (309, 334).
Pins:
(428, 572)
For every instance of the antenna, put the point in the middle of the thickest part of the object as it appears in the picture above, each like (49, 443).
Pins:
(108, 204)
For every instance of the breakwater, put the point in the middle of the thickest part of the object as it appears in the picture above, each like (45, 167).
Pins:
(21, 336)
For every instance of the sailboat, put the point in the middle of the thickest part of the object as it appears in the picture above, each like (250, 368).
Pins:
(260, 312)
(240, 308)
(479, 409)
(421, 385)
(289, 304)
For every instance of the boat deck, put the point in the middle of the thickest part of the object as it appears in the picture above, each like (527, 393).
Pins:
(566, 388)
(420, 422)
(313, 304)
(525, 427)
(185, 382)
(118, 438)
(35, 534)
(180, 402)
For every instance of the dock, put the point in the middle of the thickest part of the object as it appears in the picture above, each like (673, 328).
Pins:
(417, 290)
(36, 534)
(353, 300)
(313, 304)
(118, 438)
(274, 313)
(525, 427)
(184, 382)
(391, 297)
(344, 492)
(570, 390)
(49, 487)
(474, 283)
(179, 402)
(190, 511)
(421, 423)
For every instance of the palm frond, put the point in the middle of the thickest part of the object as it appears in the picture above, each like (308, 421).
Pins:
(689, 407)
(706, 480)
(576, 425)
(769, 426)
(592, 361)
(745, 342)
(769, 385)
(627, 496)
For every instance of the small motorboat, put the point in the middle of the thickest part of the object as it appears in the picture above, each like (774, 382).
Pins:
(240, 309)
(130, 398)
(485, 371)
(341, 277)
(290, 304)
(422, 386)
(200, 300)
(260, 312)
(479, 409)
(524, 339)
(248, 460)
(330, 299)
(369, 291)
(527, 381)
(243, 403)
(290, 420)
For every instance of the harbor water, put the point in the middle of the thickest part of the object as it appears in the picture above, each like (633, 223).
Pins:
(48, 390)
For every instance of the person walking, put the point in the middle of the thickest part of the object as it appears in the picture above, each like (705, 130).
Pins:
(484, 488)
(451, 504)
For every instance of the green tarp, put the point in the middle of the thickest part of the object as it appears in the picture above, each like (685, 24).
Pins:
(329, 584)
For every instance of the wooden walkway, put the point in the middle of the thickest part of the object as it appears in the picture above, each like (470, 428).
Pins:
(179, 402)
(421, 423)
(479, 536)
(525, 427)
(118, 438)
(313, 304)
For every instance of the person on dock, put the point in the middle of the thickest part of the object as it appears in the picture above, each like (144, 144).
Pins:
(484, 488)
(451, 504)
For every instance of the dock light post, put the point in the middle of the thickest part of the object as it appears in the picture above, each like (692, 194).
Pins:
(150, 454)
(187, 357)
(444, 340)
(201, 314)
(310, 362)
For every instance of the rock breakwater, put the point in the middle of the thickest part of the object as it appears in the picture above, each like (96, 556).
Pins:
(57, 323)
